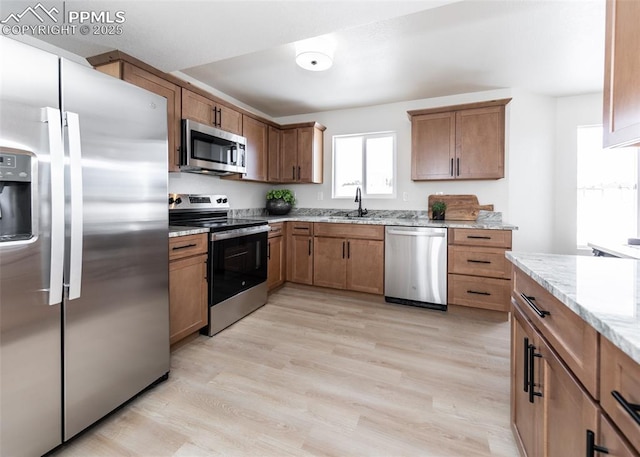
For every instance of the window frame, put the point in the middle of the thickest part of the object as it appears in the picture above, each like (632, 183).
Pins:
(365, 136)
(585, 249)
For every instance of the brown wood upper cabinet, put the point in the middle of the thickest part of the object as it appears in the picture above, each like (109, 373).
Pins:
(274, 154)
(256, 133)
(142, 78)
(208, 111)
(458, 142)
(621, 117)
(301, 153)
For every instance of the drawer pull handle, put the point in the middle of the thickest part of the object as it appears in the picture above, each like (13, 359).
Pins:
(530, 302)
(477, 293)
(592, 447)
(478, 261)
(301, 228)
(478, 237)
(630, 408)
(175, 248)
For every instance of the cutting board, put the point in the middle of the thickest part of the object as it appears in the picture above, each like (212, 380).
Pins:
(460, 207)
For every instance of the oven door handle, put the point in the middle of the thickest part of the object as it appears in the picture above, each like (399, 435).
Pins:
(237, 233)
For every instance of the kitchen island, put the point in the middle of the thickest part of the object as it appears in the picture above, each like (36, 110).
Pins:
(575, 354)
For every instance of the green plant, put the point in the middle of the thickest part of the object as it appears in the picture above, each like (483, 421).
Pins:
(439, 207)
(284, 194)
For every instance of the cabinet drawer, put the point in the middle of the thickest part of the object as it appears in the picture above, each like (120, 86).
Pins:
(619, 373)
(575, 340)
(185, 246)
(364, 232)
(300, 228)
(277, 229)
(485, 293)
(481, 237)
(477, 261)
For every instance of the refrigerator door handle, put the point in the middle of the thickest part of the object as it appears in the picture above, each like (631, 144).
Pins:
(51, 116)
(76, 223)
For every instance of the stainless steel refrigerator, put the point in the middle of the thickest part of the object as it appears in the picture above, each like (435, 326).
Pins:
(83, 246)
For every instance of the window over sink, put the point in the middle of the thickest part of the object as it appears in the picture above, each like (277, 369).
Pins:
(367, 161)
(607, 198)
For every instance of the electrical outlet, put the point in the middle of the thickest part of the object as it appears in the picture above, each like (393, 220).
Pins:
(320, 195)
(405, 196)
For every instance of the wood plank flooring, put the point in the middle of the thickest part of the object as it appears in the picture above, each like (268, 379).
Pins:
(315, 373)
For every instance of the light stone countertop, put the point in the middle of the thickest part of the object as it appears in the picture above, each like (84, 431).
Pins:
(410, 222)
(625, 251)
(604, 291)
(176, 230)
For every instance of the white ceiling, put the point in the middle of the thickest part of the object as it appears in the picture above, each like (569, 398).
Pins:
(385, 51)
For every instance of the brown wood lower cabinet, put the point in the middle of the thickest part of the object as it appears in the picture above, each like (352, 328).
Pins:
(612, 441)
(300, 252)
(187, 285)
(349, 257)
(551, 412)
(276, 272)
(479, 273)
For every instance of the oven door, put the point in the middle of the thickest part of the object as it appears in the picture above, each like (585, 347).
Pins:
(238, 262)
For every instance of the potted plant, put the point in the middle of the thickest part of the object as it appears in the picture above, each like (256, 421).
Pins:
(437, 210)
(280, 201)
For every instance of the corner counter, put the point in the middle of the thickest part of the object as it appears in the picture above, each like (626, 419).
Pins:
(601, 290)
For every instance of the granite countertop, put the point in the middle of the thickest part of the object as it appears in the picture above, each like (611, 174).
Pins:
(604, 291)
(625, 251)
(411, 222)
(175, 230)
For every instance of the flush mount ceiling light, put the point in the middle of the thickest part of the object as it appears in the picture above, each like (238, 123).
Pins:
(315, 54)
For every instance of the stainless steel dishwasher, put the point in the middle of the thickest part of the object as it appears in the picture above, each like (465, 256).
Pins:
(416, 266)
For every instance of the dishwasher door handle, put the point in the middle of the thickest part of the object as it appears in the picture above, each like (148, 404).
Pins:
(416, 233)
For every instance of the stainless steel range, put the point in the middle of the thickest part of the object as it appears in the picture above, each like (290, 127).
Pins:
(237, 265)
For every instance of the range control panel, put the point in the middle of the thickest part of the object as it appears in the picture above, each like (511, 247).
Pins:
(193, 201)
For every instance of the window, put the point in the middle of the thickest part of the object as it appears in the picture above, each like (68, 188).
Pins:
(368, 161)
(607, 190)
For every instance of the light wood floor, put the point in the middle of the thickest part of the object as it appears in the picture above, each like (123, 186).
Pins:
(316, 373)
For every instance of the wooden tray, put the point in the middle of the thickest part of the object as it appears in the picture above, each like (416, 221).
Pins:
(460, 207)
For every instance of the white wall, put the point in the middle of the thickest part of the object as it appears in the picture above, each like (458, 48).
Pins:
(241, 194)
(571, 112)
(529, 154)
(531, 128)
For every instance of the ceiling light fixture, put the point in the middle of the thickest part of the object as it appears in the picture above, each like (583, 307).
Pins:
(315, 54)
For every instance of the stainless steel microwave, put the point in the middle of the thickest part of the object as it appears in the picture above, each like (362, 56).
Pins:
(206, 149)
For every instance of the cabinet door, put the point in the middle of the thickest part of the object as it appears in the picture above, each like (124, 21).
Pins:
(480, 143)
(330, 262)
(274, 152)
(276, 263)
(289, 156)
(172, 93)
(611, 440)
(197, 108)
(300, 259)
(365, 266)
(228, 119)
(256, 152)
(310, 144)
(621, 118)
(187, 296)
(569, 411)
(525, 416)
(620, 374)
(433, 146)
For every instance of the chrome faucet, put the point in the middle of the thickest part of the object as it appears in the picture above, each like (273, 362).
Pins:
(361, 212)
